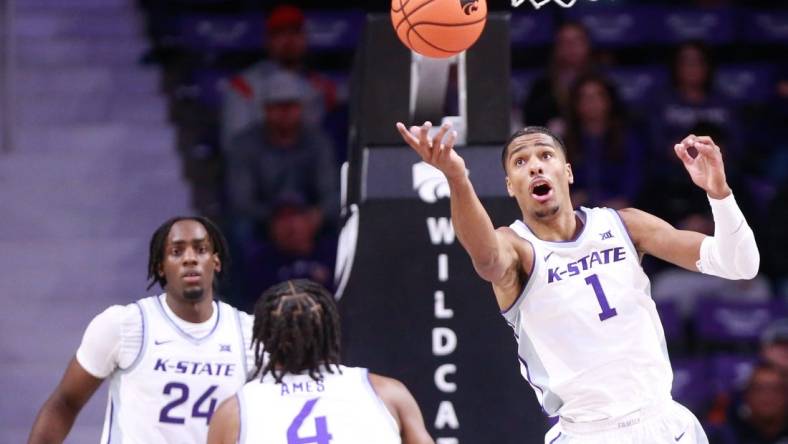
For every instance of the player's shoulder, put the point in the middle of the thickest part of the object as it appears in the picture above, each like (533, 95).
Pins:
(244, 318)
(385, 386)
(634, 218)
(120, 313)
(224, 306)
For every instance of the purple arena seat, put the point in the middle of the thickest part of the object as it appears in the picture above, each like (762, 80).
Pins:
(690, 383)
(531, 29)
(637, 84)
(671, 321)
(226, 33)
(751, 83)
(766, 26)
(732, 322)
(327, 30)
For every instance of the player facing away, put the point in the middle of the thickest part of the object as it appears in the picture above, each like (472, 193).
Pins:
(570, 284)
(170, 359)
(302, 394)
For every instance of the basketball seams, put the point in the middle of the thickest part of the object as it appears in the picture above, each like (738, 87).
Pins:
(401, 6)
(449, 24)
(406, 17)
(428, 43)
(400, 16)
(413, 28)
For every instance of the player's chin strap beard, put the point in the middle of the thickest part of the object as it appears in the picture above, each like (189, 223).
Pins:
(193, 294)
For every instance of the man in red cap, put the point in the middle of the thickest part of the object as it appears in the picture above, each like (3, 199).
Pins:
(286, 46)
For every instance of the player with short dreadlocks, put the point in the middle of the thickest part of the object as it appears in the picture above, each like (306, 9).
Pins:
(300, 392)
(299, 325)
(169, 358)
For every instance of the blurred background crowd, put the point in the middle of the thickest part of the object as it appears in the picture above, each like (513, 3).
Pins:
(258, 95)
(260, 101)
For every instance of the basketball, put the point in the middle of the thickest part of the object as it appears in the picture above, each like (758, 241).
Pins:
(438, 28)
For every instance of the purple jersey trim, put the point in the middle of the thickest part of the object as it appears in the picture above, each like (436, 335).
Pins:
(625, 230)
(109, 428)
(534, 386)
(241, 417)
(583, 215)
(555, 439)
(527, 284)
(143, 343)
(183, 333)
(243, 341)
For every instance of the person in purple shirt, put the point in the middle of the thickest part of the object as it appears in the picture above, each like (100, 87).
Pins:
(691, 99)
(606, 155)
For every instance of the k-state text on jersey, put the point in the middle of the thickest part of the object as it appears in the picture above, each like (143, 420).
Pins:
(194, 367)
(587, 262)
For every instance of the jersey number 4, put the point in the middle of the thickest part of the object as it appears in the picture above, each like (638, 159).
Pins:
(321, 427)
(198, 410)
(607, 312)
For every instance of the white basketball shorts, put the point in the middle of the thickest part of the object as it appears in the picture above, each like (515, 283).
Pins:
(665, 423)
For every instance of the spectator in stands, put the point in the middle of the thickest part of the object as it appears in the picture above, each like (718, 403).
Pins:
(282, 159)
(294, 250)
(775, 258)
(286, 46)
(548, 99)
(606, 156)
(774, 345)
(761, 417)
(671, 195)
(692, 99)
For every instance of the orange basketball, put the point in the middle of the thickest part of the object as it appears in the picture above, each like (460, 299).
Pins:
(438, 28)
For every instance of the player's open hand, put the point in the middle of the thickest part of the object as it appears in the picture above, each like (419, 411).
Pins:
(705, 168)
(438, 151)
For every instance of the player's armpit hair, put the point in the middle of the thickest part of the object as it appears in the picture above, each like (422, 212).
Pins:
(732, 253)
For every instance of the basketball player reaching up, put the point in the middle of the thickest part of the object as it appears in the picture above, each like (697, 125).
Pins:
(302, 394)
(570, 284)
(170, 358)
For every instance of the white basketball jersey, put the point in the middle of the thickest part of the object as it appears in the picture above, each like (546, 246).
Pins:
(341, 408)
(176, 383)
(590, 341)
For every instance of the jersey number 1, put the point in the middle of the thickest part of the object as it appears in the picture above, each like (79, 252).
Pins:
(321, 427)
(607, 312)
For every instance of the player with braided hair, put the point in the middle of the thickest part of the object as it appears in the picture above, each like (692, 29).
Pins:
(170, 358)
(300, 393)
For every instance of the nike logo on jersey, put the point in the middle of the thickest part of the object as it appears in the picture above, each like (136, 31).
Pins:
(606, 235)
(548, 256)
(680, 436)
(585, 263)
(157, 342)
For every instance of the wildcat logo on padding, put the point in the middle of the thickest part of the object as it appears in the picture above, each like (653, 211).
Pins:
(430, 183)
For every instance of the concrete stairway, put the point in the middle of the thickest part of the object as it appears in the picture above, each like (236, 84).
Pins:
(93, 173)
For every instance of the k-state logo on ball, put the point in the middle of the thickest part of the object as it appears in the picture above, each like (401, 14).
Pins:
(469, 6)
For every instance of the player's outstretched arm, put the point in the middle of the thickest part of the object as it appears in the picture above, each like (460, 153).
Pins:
(225, 423)
(731, 253)
(491, 251)
(403, 407)
(58, 413)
